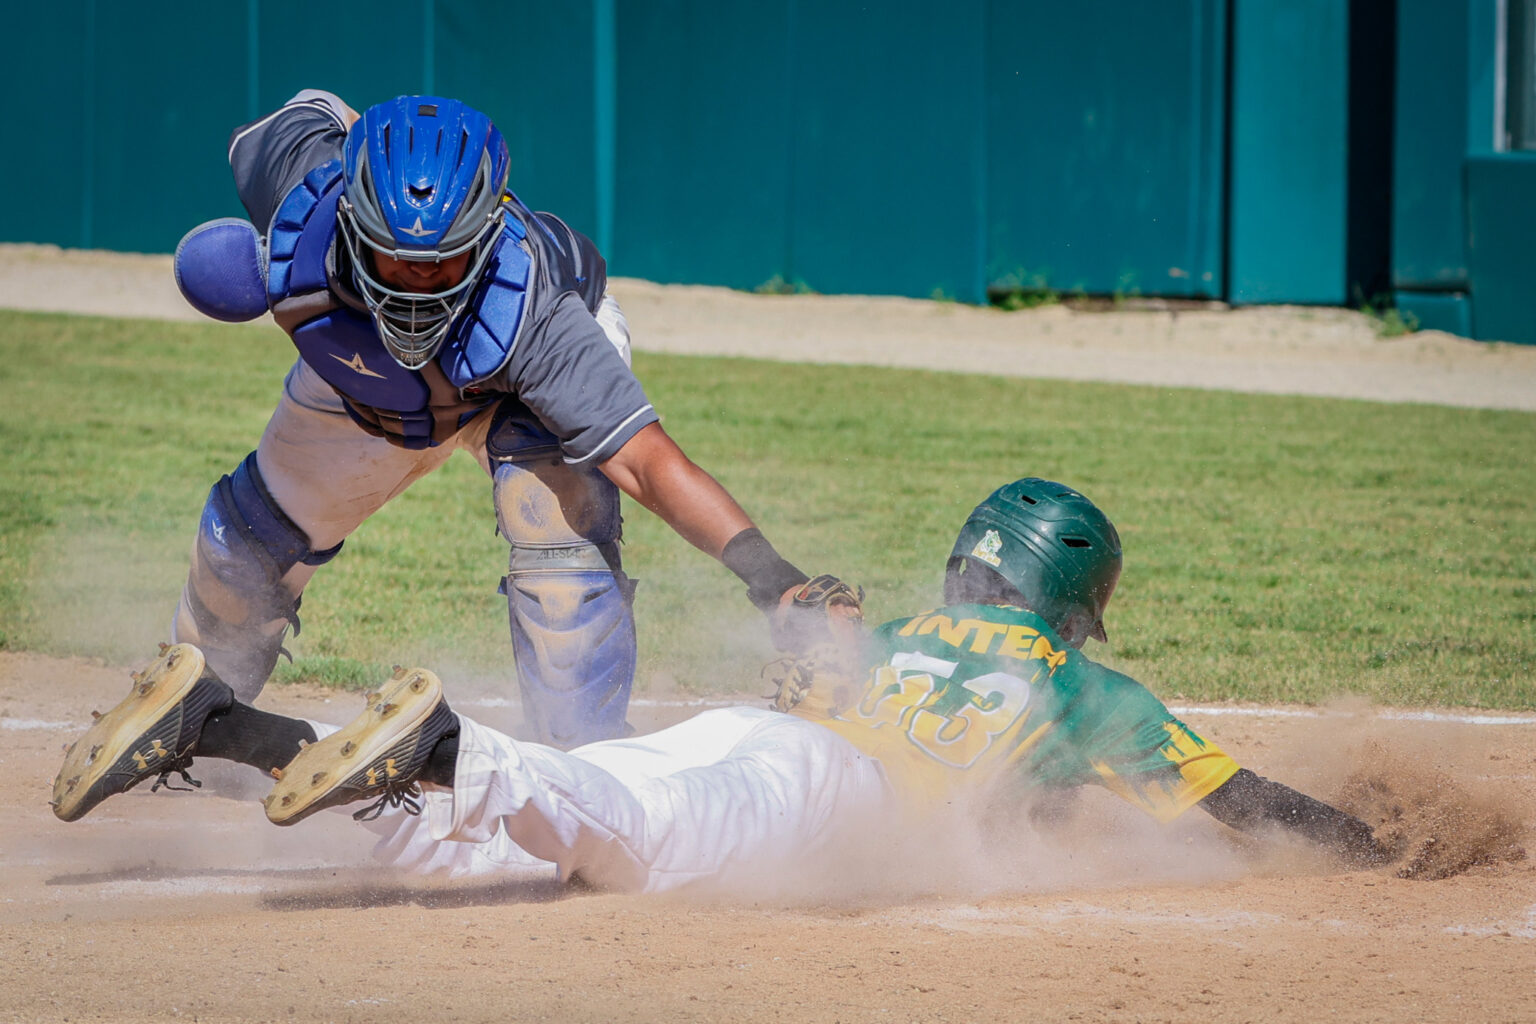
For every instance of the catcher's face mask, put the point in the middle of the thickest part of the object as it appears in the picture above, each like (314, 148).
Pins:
(423, 182)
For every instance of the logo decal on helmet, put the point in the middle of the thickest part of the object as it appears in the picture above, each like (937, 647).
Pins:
(987, 548)
(417, 231)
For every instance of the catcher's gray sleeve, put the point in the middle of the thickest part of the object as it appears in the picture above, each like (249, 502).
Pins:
(272, 154)
(566, 370)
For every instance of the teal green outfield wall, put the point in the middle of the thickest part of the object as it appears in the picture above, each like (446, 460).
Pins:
(818, 146)
(1066, 146)
(1501, 263)
(1464, 212)
(1290, 98)
(124, 117)
(1188, 148)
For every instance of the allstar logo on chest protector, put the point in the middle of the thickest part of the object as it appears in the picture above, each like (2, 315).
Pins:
(356, 363)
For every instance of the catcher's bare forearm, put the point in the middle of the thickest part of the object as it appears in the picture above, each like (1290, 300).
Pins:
(653, 470)
(1248, 802)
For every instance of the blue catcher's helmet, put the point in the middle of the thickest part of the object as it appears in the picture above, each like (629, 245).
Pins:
(424, 179)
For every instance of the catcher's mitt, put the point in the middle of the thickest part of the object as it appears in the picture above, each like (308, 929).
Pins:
(821, 610)
(820, 625)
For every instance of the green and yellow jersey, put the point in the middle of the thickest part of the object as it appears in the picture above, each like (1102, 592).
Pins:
(976, 695)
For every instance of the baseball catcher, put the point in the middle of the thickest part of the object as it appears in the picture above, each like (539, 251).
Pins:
(988, 694)
(433, 311)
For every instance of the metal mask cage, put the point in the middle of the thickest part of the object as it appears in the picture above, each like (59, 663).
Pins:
(412, 325)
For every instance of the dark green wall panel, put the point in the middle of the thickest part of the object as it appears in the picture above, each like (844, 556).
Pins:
(1501, 222)
(706, 105)
(1432, 124)
(887, 156)
(364, 52)
(1106, 128)
(1289, 162)
(530, 67)
(52, 76)
(1193, 147)
(163, 115)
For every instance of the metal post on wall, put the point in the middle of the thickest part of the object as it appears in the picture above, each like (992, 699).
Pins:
(88, 125)
(1519, 52)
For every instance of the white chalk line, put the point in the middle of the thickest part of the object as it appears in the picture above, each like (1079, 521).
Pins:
(1525, 929)
(1449, 717)
(1025, 921)
(1387, 714)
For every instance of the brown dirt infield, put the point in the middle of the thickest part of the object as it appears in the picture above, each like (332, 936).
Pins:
(189, 906)
(177, 906)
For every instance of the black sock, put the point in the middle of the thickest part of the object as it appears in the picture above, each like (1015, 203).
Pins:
(444, 756)
(248, 736)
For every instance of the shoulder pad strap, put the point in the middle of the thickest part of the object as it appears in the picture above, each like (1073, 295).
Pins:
(483, 340)
(288, 224)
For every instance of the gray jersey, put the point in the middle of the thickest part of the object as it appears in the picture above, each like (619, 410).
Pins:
(562, 366)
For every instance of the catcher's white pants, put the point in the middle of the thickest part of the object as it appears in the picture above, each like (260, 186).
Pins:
(735, 795)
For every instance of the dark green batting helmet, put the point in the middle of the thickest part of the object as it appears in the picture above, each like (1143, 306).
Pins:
(1053, 546)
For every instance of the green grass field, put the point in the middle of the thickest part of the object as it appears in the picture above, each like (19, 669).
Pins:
(1278, 549)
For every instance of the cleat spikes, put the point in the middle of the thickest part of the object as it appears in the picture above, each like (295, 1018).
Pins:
(149, 735)
(277, 773)
(374, 761)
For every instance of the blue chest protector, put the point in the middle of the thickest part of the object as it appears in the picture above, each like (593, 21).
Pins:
(412, 408)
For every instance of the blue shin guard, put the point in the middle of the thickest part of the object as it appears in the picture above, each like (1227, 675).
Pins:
(569, 603)
(573, 634)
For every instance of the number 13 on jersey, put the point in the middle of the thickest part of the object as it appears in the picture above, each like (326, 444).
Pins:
(952, 721)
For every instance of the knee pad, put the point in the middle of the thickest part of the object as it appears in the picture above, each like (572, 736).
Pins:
(569, 602)
(221, 269)
(544, 504)
(236, 606)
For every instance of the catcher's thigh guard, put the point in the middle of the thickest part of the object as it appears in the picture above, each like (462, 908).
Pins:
(242, 593)
(569, 602)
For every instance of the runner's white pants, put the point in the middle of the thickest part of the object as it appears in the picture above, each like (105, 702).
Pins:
(733, 795)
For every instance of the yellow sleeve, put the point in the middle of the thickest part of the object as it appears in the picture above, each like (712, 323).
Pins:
(1202, 769)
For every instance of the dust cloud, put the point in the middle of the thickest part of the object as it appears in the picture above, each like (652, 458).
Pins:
(1435, 826)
